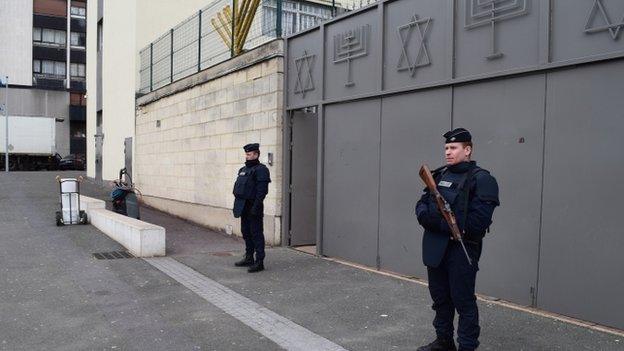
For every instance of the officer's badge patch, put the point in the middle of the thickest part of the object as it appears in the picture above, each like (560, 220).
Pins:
(445, 184)
(242, 173)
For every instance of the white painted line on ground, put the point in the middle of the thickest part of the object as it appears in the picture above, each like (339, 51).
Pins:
(282, 331)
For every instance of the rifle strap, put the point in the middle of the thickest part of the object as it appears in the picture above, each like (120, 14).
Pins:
(466, 184)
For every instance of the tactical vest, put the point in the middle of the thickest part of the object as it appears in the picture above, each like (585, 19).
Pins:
(245, 186)
(455, 188)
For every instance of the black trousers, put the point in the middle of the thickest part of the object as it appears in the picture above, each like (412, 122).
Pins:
(253, 233)
(452, 288)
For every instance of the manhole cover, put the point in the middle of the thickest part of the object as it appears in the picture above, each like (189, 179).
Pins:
(113, 255)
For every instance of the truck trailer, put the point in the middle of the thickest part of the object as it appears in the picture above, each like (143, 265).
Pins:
(32, 143)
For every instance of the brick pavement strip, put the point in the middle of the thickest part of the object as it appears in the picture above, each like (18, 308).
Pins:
(280, 330)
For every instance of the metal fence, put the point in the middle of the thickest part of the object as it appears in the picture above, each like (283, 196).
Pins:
(196, 43)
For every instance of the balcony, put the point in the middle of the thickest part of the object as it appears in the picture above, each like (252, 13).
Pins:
(52, 53)
(78, 84)
(52, 22)
(78, 56)
(50, 82)
(79, 25)
(77, 113)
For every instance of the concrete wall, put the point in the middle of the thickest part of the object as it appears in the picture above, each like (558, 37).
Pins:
(16, 22)
(42, 103)
(189, 142)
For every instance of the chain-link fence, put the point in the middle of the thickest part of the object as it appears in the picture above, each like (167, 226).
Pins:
(204, 39)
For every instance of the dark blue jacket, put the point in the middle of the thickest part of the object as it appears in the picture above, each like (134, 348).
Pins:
(250, 188)
(473, 195)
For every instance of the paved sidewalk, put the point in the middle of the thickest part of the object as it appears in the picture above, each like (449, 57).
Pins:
(55, 295)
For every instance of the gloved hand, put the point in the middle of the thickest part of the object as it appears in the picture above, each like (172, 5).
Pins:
(257, 208)
(432, 218)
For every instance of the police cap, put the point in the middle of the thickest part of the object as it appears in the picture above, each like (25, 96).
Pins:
(252, 147)
(457, 135)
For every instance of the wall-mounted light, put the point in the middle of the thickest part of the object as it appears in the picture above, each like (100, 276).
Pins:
(270, 159)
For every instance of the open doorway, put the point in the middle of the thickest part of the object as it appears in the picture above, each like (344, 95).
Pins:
(303, 177)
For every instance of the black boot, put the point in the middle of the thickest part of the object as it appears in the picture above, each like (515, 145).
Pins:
(439, 345)
(256, 267)
(245, 262)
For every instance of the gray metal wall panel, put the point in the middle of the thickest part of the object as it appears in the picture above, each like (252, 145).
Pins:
(581, 255)
(546, 35)
(425, 29)
(411, 128)
(351, 181)
(303, 179)
(517, 38)
(305, 69)
(569, 20)
(499, 113)
(365, 57)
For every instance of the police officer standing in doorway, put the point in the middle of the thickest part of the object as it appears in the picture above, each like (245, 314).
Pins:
(250, 189)
(473, 194)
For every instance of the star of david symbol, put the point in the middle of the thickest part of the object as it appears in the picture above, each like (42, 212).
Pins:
(405, 33)
(305, 81)
(613, 28)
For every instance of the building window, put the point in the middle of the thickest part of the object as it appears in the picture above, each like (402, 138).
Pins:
(36, 66)
(49, 68)
(77, 70)
(59, 68)
(49, 36)
(36, 34)
(78, 12)
(78, 39)
(296, 16)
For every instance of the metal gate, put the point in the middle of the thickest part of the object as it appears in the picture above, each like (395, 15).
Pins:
(538, 83)
(303, 178)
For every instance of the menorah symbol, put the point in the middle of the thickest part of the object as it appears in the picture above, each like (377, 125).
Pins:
(481, 13)
(242, 18)
(613, 28)
(304, 82)
(349, 46)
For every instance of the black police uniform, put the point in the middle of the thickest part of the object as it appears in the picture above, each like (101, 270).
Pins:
(473, 195)
(250, 189)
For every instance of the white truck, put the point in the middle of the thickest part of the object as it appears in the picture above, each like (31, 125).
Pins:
(32, 143)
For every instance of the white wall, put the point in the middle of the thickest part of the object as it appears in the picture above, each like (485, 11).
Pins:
(117, 83)
(16, 22)
(91, 84)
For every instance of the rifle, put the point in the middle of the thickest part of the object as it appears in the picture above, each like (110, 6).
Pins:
(443, 206)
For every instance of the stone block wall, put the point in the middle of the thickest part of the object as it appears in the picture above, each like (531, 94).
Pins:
(189, 142)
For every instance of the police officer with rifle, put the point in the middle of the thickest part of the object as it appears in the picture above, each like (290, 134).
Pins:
(456, 211)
